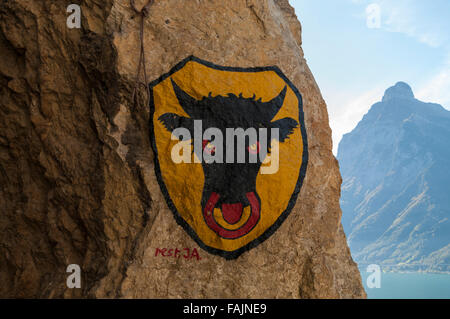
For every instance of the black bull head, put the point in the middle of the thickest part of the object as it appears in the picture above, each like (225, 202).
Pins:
(231, 186)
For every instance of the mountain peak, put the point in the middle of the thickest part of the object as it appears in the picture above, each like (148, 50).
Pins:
(395, 166)
(399, 90)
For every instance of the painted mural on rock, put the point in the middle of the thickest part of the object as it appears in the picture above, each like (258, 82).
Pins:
(230, 151)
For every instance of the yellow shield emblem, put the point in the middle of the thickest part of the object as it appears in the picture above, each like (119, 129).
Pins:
(230, 151)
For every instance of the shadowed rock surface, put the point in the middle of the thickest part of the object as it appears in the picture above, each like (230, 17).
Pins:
(76, 167)
(396, 169)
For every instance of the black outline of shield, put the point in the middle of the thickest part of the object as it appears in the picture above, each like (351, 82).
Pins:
(179, 219)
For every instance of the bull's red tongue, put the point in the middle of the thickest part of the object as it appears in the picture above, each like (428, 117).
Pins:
(232, 213)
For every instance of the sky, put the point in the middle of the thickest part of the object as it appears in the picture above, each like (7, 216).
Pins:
(356, 49)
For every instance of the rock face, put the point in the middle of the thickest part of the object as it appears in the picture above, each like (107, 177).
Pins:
(77, 176)
(395, 167)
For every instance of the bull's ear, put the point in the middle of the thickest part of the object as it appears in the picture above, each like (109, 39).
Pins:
(172, 121)
(286, 127)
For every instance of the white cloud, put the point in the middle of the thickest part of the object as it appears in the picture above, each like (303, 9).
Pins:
(403, 17)
(423, 22)
(437, 89)
(346, 110)
(419, 20)
(407, 17)
(415, 19)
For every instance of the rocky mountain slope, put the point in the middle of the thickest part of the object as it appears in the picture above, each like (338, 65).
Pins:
(77, 173)
(395, 194)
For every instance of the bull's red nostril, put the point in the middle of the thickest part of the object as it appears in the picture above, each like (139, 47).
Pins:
(232, 213)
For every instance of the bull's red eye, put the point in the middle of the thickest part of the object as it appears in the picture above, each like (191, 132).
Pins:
(254, 148)
(208, 147)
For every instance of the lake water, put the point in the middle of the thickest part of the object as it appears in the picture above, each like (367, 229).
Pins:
(408, 286)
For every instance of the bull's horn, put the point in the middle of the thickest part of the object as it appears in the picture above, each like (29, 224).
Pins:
(276, 103)
(186, 101)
